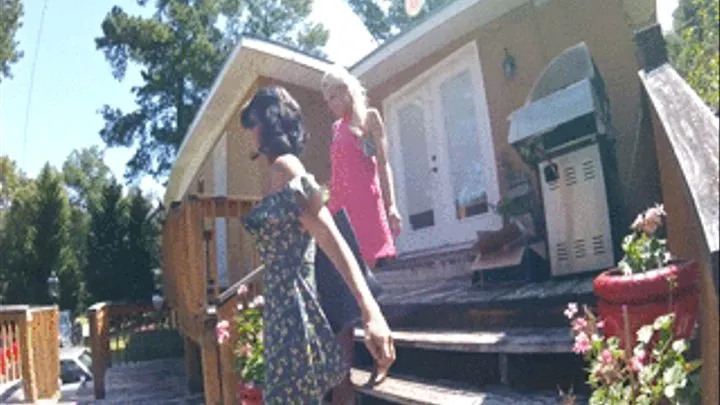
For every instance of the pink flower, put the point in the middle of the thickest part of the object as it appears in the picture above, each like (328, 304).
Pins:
(637, 362)
(242, 290)
(600, 324)
(606, 356)
(571, 310)
(246, 350)
(222, 331)
(582, 343)
(579, 324)
(649, 221)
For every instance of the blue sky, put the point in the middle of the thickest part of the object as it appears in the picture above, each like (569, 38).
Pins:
(73, 80)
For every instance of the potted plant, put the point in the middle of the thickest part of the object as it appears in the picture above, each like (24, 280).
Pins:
(648, 282)
(249, 347)
(653, 372)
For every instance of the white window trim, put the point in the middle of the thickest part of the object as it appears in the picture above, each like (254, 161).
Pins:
(466, 56)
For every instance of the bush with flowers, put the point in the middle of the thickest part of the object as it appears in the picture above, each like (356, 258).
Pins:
(653, 372)
(249, 348)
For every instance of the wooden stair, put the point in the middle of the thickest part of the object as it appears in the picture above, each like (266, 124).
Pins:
(414, 391)
(461, 344)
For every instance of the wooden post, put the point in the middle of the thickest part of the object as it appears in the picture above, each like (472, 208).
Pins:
(212, 374)
(193, 371)
(99, 346)
(26, 355)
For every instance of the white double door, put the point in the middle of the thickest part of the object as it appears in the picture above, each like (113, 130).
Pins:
(442, 155)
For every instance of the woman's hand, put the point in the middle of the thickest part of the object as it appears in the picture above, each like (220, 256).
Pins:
(394, 220)
(379, 343)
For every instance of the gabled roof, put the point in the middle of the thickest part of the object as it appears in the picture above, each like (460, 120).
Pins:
(440, 28)
(251, 58)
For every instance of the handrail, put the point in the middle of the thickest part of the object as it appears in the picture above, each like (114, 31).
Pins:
(686, 141)
(231, 291)
(691, 131)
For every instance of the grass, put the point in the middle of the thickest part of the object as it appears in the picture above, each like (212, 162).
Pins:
(146, 345)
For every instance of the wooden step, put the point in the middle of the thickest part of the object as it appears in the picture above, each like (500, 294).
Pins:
(414, 391)
(508, 354)
(509, 341)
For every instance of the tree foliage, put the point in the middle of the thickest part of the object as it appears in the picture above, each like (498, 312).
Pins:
(105, 264)
(693, 47)
(180, 49)
(142, 247)
(11, 12)
(386, 18)
(51, 244)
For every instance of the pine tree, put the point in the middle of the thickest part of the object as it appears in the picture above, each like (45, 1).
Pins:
(52, 242)
(104, 273)
(180, 49)
(141, 249)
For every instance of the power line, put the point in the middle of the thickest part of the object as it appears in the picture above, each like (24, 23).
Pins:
(32, 82)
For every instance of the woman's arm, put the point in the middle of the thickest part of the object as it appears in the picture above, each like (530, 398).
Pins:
(316, 219)
(377, 130)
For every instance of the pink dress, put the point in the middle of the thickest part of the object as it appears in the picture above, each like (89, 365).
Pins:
(355, 186)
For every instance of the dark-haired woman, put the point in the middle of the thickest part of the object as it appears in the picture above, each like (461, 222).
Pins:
(303, 359)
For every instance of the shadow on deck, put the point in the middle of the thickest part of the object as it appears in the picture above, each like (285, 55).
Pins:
(149, 382)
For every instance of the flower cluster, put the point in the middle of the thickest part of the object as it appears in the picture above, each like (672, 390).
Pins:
(644, 250)
(655, 370)
(249, 348)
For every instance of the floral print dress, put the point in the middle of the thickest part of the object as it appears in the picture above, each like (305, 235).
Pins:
(302, 358)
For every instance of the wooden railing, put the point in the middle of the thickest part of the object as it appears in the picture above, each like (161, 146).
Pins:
(127, 333)
(190, 274)
(190, 270)
(222, 388)
(686, 140)
(30, 350)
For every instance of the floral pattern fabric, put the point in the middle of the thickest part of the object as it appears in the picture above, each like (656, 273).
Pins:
(302, 358)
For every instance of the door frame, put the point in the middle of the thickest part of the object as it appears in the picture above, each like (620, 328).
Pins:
(448, 230)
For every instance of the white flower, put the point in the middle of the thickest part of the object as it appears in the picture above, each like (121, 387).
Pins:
(679, 346)
(644, 334)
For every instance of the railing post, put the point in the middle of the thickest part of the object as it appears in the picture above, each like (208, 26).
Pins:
(99, 346)
(26, 355)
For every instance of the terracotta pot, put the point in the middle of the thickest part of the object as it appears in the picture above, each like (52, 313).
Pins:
(249, 394)
(647, 296)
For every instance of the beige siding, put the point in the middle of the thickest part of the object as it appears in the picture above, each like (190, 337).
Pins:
(534, 36)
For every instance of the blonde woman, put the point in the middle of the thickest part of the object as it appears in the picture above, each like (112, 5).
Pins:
(361, 184)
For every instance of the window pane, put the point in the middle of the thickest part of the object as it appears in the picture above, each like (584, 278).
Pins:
(411, 123)
(464, 149)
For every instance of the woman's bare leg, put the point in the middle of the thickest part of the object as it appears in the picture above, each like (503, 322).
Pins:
(344, 393)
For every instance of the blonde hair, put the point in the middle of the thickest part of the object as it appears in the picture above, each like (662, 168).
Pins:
(338, 76)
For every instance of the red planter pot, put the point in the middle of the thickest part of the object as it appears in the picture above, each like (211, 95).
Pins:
(646, 297)
(249, 394)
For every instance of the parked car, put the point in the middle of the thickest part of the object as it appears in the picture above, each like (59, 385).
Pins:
(66, 327)
(75, 365)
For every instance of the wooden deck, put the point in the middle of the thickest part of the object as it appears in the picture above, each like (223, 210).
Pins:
(160, 382)
(404, 290)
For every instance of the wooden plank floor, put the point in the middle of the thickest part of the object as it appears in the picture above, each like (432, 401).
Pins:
(159, 382)
(459, 290)
(412, 391)
(510, 341)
